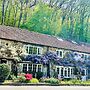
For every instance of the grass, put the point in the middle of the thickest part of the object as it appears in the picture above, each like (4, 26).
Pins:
(70, 82)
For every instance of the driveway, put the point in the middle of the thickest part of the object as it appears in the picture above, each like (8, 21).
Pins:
(44, 87)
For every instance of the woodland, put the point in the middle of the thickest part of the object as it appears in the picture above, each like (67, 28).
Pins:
(67, 19)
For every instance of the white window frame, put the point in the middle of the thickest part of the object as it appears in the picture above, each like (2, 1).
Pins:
(59, 53)
(32, 66)
(65, 68)
(38, 48)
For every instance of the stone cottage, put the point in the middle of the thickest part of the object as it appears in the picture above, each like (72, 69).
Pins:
(15, 42)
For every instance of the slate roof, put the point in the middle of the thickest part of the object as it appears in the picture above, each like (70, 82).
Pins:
(22, 35)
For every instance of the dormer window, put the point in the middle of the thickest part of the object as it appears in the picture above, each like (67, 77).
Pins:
(60, 53)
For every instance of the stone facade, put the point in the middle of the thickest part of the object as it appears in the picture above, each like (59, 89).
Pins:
(13, 49)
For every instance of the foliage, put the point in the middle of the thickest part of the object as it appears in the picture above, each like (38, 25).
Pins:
(12, 77)
(39, 75)
(43, 22)
(73, 81)
(50, 80)
(34, 80)
(4, 72)
(44, 59)
(68, 19)
(21, 79)
(25, 78)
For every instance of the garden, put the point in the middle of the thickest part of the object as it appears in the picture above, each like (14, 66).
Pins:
(37, 78)
(7, 78)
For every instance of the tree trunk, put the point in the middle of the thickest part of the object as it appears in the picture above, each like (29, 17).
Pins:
(6, 11)
(3, 6)
(21, 12)
(15, 15)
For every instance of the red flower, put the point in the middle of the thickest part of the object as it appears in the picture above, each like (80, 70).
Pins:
(28, 76)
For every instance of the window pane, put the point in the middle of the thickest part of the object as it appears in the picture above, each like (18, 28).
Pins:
(39, 51)
(24, 68)
(61, 71)
(34, 50)
(60, 53)
(58, 70)
(26, 49)
(30, 50)
(29, 67)
(71, 71)
(65, 72)
(39, 68)
(34, 67)
(68, 72)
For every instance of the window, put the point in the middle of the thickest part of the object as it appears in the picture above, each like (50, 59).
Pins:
(60, 53)
(27, 49)
(61, 71)
(58, 70)
(39, 51)
(30, 50)
(39, 68)
(68, 72)
(83, 72)
(65, 72)
(24, 68)
(32, 67)
(71, 71)
(29, 67)
(33, 49)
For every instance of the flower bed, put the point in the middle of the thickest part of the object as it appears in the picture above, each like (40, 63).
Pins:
(27, 79)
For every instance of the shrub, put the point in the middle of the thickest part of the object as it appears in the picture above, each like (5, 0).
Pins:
(4, 72)
(50, 80)
(12, 77)
(24, 78)
(75, 81)
(34, 80)
(39, 75)
(21, 79)
(21, 74)
(33, 73)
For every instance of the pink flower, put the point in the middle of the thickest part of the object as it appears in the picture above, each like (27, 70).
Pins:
(28, 76)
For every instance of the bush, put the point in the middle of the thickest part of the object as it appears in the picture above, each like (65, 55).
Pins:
(4, 72)
(21, 79)
(33, 73)
(12, 77)
(50, 80)
(73, 81)
(39, 75)
(24, 78)
(34, 80)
